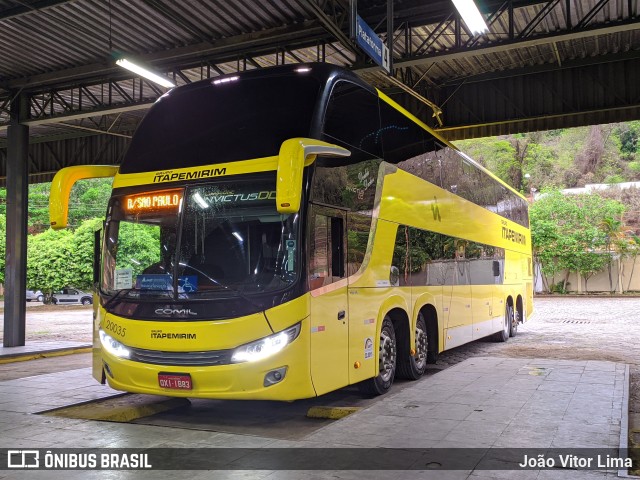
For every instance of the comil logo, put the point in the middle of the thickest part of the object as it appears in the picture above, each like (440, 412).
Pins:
(175, 311)
(23, 459)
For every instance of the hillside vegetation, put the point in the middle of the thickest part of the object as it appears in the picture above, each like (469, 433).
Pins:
(561, 158)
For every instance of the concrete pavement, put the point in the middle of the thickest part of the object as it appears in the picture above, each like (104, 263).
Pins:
(484, 402)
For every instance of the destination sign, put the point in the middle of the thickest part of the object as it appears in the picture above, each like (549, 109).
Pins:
(148, 202)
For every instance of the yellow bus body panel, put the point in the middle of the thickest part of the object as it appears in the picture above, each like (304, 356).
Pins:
(205, 172)
(329, 337)
(199, 335)
(243, 380)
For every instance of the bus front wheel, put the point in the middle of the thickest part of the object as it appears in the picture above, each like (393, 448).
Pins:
(387, 357)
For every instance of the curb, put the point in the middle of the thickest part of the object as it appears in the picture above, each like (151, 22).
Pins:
(23, 357)
(122, 409)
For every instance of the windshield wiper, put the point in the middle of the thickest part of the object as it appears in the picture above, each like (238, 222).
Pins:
(124, 292)
(120, 293)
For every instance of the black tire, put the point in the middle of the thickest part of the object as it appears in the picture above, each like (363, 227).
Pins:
(515, 320)
(28, 299)
(503, 335)
(413, 366)
(387, 361)
(41, 298)
(86, 301)
(54, 301)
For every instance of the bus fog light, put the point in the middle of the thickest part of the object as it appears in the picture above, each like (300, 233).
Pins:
(265, 347)
(113, 346)
(275, 376)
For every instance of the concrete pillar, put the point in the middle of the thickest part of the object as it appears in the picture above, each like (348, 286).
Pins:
(15, 275)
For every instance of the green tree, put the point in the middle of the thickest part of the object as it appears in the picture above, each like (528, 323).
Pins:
(38, 217)
(540, 162)
(81, 269)
(629, 135)
(612, 229)
(631, 249)
(498, 155)
(49, 260)
(569, 235)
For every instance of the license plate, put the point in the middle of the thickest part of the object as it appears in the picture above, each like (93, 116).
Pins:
(175, 381)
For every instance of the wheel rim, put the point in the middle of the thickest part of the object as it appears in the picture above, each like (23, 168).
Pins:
(507, 320)
(387, 356)
(422, 345)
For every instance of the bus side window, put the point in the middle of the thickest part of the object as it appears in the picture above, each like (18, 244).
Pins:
(319, 254)
(327, 258)
(337, 247)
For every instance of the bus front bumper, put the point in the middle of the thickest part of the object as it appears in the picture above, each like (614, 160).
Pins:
(239, 381)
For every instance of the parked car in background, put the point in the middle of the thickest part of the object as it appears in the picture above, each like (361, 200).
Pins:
(35, 295)
(71, 295)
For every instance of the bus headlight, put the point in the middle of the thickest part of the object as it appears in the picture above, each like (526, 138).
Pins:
(265, 347)
(113, 346)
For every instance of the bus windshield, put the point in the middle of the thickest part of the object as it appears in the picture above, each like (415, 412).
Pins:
(206, 241)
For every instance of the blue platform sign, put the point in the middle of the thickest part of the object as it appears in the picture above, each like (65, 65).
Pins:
(371, 43)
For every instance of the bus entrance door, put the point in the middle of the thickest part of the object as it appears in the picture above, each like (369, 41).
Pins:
(328, 300)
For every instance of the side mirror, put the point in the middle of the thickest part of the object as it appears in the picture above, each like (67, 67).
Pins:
(295, 154)
(61, 188)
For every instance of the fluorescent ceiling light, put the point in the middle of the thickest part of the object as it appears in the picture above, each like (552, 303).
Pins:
(238, 236)
(143, 72)
(471, 15)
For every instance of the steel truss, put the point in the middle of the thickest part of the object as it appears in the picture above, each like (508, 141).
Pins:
(422, 38)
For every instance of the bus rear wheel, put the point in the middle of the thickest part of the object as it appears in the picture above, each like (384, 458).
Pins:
(387, 357)
(515, 320)
(503, 335)
(413, 366)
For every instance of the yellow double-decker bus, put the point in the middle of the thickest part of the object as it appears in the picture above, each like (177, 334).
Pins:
(284, 232)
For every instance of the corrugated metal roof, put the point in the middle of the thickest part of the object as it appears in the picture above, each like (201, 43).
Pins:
(65, 40)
